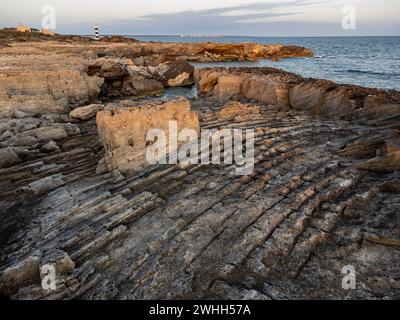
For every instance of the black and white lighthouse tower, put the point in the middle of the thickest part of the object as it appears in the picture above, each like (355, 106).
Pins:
(96, 33)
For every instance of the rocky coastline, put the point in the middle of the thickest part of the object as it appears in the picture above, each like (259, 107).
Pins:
(76, 193)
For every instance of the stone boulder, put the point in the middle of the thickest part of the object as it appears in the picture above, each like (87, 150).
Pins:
(265, 85)
(123, 78)
(8, 158)
(113, 70)
(205, 81)
(140, 85)
(109, 68)
(123, 130)
(175, 73)
(388, 162)
(85, 113)
(146, 71)
(50, 133)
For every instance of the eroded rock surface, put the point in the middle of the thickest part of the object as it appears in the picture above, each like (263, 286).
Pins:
(86, 112)
(317, 200)
(123, 131)
(175, 73)
(304, 213)
(54, 76)
(287, 90)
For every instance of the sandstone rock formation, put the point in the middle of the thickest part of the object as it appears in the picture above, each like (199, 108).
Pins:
(287, 90)
(324, 192)
(206, 52)
(139, 85)
(43, 82)
(54, 76)
(175, 73)
(8, 158)
(123, 130)
(122, 77)
(265, 85)
(46, 91)
(213, 234)
(320, 97)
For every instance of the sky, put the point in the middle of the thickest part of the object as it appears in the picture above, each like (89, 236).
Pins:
(209, 17)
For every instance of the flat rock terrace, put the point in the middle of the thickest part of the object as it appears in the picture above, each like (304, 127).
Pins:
(324, 192)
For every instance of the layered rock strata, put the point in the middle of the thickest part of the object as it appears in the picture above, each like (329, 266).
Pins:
(287, 90)
(320, 97)
(203, 232)
(324, 193)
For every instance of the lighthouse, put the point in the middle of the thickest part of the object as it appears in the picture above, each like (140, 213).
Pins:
(96, 33)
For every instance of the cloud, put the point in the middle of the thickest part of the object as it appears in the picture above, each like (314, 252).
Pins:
(273, 18)
(222, 14)
(225, 20)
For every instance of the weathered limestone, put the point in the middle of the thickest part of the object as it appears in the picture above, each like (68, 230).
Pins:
(305, 96)
(139, 85)
(266, 90)
(228, 86)
(283, 89)
(39, 92)
(325, 98)
(123, 78)
(87, 112)
(55, 77)
(270, 86)
(8, 158)
(174, 73)
(21, 274)
(200, 231)
(225, 52)
(50, 133)
(153, 54)
(323, 193)
(388, 157)
(50, 146)
(123, 130)
(234, 111)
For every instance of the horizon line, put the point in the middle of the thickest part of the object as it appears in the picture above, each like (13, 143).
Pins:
(243, 36)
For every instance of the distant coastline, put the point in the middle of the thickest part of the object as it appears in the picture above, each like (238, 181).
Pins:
(241, 36)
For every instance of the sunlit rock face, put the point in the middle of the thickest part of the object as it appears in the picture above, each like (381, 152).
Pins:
(286, 90)
(175, 73)
(123, 130)
(46, 91)
(324, 98)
